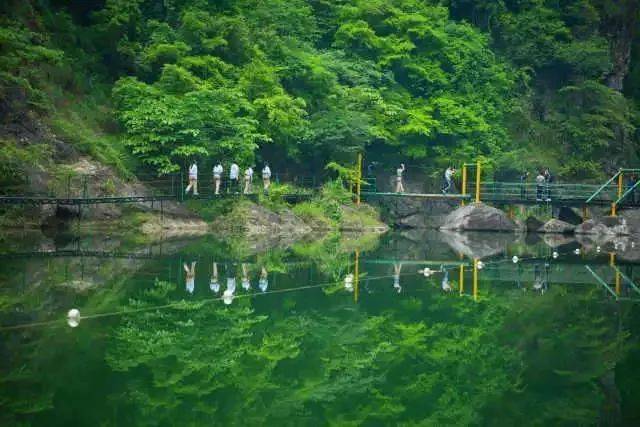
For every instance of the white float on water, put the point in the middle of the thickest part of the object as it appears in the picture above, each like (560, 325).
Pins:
(480, 265)
(514, 259)
(577, 252)
(227, 297)
(426, 272)
(555, 255)
(73, 317)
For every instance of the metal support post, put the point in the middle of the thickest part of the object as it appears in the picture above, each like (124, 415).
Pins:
(478, 175)
(357, 276)
(461, 279)
(359, 179)
(614, 205)
(464, 182)
(475, 279)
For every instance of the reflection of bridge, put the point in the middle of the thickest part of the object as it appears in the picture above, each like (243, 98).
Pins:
(615, 277)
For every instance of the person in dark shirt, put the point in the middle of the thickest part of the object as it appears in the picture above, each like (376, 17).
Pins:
(523, 185)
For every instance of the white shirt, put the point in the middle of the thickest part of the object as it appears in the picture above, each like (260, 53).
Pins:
(448, 173)
(248, 173)
(193, 171)
(263, 284)
(191, 284)
(234, 171)
(217, 170)
(214, 285)
(266, 172)
(399, 172)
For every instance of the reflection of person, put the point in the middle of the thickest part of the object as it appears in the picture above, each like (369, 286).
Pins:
(397, 268)
(191, 276)
(399, 185)
(217, 177)
(214, 285)
(246, 284)
(446, 286)
(263, 283)
(228, 294)
(193, 179)
(539, 281)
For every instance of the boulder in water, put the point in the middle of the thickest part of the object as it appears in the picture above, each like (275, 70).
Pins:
(606, 226)
(555, 226)
(533, 224)
(478, 217)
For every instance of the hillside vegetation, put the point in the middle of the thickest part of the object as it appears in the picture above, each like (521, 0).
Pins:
(147, 84)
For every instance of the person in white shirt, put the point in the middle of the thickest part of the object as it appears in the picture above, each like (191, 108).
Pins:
(399, 185)
(234, 172)
(190, 281)
(448, 179)
(446, 286)
(263, 283)
(248, 180)
(266, 177)
(217, 177)
(214, 285)
(193, 179)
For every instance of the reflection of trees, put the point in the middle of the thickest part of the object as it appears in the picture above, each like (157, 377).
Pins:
(196, 363)
(570, 345)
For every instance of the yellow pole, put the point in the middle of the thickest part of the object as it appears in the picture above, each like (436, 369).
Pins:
(357, 276)
(359, 179)
(613, 205)
(461, 279)
(612, 263)
(464, 182)
(478, 174)
(475, 279)
(585, 212)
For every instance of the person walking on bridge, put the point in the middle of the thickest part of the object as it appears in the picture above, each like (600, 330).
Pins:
(266, 178)
(448, 179)
(523, 185)
(217, 177)
(548, 179)
(540, 183)
(248, 180)
(399, 185)
(234, 173)
(193, 179)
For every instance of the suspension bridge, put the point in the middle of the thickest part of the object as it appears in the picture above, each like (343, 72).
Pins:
(84, 190)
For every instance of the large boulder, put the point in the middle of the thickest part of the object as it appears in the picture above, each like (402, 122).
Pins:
(606, 226)
(478, 217)
(568, 214)
(555, 226)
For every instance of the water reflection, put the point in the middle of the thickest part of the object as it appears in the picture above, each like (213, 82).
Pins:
(545, 339)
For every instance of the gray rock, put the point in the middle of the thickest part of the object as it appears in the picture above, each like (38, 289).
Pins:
(555, 226)
(569, 215)
(478, 217)
(606, 226)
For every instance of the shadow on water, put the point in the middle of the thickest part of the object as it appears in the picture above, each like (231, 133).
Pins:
(414, 327)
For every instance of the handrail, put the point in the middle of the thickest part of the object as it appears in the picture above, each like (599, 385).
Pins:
(604, 186)
(626, 279)
(626, 193)
(602, 282)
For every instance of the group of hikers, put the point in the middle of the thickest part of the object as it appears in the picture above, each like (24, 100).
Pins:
(234, 179)
(214, 284)
(544, 180)
(447, 181)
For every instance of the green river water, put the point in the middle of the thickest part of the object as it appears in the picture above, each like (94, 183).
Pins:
(332, 331)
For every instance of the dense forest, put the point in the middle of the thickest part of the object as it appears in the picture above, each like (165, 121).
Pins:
(150, 84)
